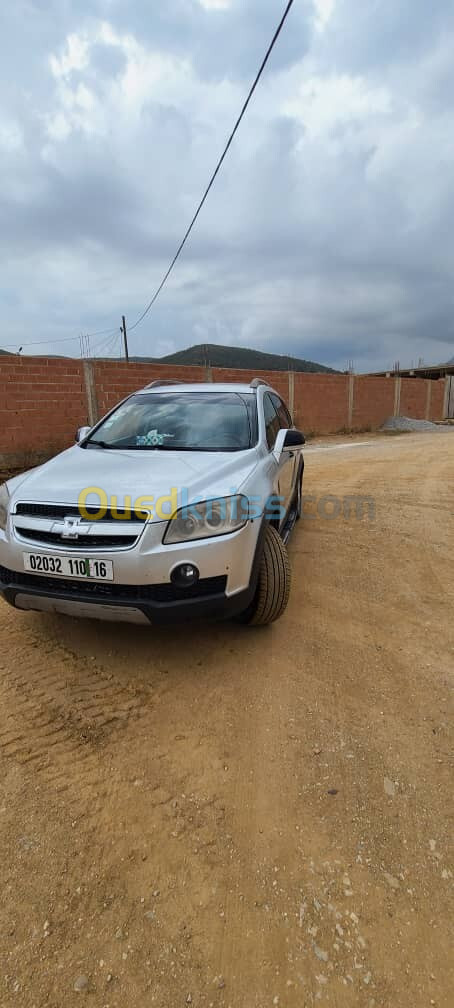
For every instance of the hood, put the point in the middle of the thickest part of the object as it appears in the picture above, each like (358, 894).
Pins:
(122, 474)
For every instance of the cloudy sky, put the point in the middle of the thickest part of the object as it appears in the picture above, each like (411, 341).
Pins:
(329, 234)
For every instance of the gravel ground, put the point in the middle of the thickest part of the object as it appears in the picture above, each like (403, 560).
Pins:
(408, 424)
(233, 818)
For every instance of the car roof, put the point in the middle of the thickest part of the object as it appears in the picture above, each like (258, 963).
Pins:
(241, 387)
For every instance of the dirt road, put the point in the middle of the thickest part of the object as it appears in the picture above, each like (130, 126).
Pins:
(242, 818)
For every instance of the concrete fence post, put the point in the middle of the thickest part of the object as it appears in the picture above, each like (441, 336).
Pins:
(351, 400)
(291, 392)
(397, 391)
(446, 398)
(429, 399)
(90, 392)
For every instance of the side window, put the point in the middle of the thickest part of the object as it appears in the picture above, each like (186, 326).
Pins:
(285, 420)
(272, 423)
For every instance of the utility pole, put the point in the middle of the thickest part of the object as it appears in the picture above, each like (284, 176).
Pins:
(84, 345)
(125, 338)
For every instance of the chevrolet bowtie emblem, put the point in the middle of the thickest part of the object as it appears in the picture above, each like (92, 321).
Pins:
(71, 528)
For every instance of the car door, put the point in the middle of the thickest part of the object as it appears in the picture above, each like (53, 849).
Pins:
(291, 469)
(286, 467)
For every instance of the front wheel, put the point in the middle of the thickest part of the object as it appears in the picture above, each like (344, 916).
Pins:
(273, 586)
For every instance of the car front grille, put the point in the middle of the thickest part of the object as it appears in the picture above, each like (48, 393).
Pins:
(45, 524)
(58, 512)
(104, 591)
(100, 542)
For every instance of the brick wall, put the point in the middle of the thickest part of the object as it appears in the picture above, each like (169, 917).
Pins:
(413, 398)
(115, 380)
(278, 379)
(437, 400)
(373, 401)
(321, 402)
(43, 400)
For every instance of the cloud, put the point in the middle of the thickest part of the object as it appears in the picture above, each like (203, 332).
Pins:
(328, 231)
(11, 137)
(324, 10)
(215, 4)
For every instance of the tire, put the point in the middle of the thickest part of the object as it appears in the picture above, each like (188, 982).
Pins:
(273, 586)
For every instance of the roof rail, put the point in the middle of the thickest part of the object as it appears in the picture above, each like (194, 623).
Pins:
(164, 381)
(256, 382)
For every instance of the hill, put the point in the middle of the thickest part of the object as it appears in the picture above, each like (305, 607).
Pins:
(210, 354)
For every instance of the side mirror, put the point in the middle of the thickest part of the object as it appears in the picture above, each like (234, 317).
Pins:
(81, 434)
(294, 439)
(286, 440)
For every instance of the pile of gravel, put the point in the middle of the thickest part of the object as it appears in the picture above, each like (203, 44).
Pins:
(403, 423)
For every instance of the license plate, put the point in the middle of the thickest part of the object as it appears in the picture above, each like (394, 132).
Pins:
(69, 567)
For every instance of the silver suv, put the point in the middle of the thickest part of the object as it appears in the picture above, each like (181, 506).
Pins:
(177, 505)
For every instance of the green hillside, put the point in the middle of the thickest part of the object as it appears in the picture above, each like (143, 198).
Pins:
(210, 354)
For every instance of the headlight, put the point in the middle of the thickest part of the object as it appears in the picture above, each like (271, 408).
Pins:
(4, 506)
(209, 518)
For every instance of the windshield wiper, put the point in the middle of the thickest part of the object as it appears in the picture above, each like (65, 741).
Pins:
(100, 444)
(181, 448)
(127, 447)
(168, 448)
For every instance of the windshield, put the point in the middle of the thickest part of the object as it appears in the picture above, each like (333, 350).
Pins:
(179, 421)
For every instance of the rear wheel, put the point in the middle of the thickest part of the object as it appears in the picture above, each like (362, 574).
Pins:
(273, 586)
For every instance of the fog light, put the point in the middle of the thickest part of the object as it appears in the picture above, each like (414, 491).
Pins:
(185, 575)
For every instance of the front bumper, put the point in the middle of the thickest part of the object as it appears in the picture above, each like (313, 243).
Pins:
(215, 596)
(128, 603)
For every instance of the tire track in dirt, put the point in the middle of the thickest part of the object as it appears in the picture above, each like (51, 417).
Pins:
(60, 718)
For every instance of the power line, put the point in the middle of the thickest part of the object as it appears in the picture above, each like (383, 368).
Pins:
(106, 346)
(65, 339)
(107, 340)
(102, 332)
(218, 166)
